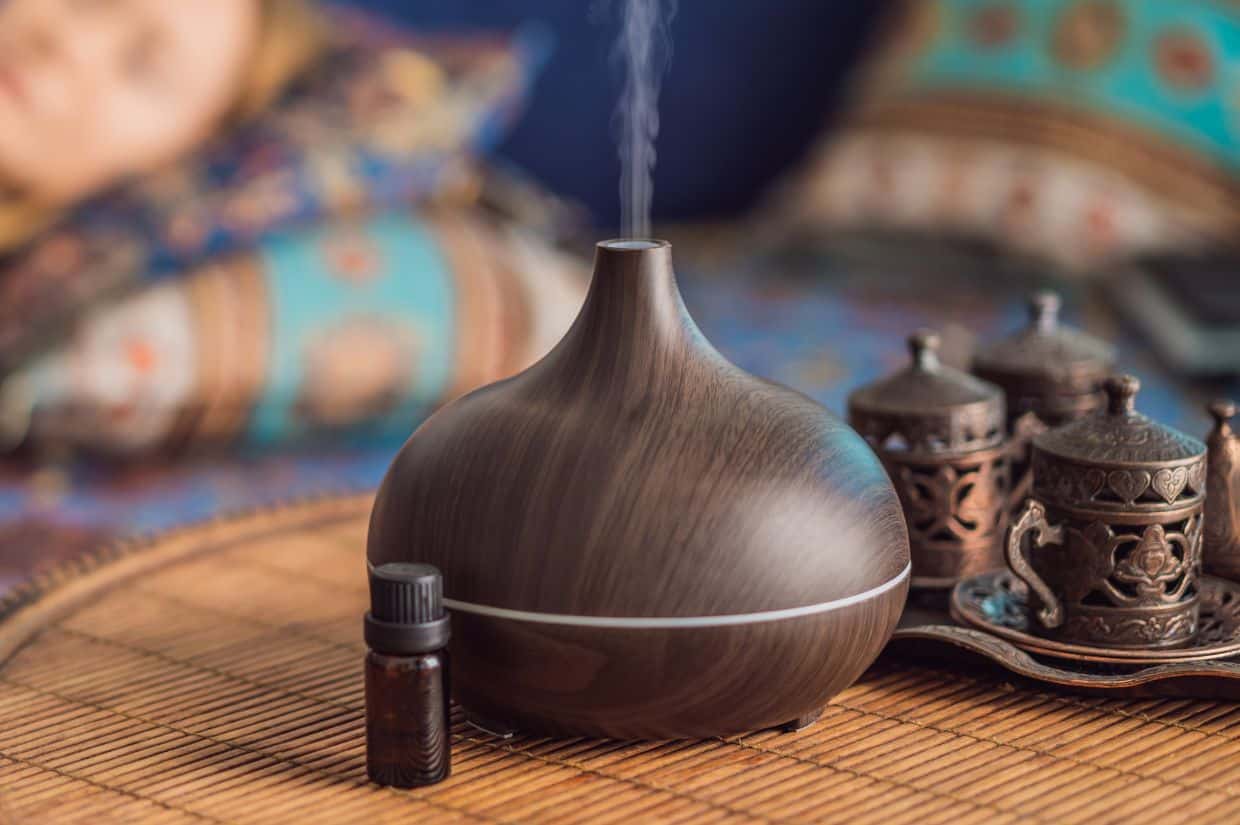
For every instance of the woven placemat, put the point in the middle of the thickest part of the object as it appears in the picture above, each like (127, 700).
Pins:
(214, 675)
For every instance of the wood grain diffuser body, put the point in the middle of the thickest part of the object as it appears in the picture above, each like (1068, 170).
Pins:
(638, 539)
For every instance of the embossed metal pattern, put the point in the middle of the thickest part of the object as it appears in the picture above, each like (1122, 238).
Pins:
(1121, 437)
(1020, 450)
(1132, 585)
(1116, 528)
(998, 603)
(1085, 485)
(940, 435)
(1119, 460)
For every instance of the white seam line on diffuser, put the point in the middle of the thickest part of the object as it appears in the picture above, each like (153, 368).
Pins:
(648, 622)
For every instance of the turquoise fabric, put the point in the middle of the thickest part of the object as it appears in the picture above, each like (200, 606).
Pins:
(410, 286)
(1127, 84)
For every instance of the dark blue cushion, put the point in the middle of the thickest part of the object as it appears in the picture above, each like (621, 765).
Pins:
(751, 83)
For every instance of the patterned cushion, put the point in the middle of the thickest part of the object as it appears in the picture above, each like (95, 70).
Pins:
(1077, 130)
(356, 330)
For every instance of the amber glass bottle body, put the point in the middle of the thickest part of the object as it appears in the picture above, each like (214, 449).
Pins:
(408, 732)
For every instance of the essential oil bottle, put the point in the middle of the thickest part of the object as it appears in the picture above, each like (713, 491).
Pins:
(408, 736)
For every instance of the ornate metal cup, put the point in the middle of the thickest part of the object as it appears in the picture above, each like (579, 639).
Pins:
(1048, 369)
(1050, 374)
(1115, 524)
(940, 435)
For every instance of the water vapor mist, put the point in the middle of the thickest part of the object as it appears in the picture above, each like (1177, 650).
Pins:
(644, 48)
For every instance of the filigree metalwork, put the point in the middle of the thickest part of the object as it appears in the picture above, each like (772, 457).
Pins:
(940, 435)
(1020, 453)
(1132, 631)
(1117, 541)
(1152, 567)
(1001, 605)
(923, 431)
(1161, 488)
(956, 512)
(960, 501)
(1106, 576)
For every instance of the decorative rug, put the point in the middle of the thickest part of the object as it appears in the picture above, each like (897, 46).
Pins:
(213, 674)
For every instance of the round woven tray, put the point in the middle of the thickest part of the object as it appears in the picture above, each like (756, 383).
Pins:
(214, 675)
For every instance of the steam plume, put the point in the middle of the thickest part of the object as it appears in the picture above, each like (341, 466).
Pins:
(644, 48)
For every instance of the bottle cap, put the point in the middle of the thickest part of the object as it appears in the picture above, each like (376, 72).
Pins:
(406, 609)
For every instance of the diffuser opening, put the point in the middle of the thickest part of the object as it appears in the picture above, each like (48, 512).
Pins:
(633, 244)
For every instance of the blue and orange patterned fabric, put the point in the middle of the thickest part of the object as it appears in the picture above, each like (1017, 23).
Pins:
(354, 329)
(317, 270)
(1078, 130)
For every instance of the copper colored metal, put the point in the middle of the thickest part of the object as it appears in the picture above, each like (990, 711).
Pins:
(941, 645)
(1050, 374)
(1116, 528)
(1050, 370)
(940, 435)
(1020, 450)
(1221, 547)
(997, 603)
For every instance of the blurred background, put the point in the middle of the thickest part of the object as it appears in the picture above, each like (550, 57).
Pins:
(745, 93)
(246, 246)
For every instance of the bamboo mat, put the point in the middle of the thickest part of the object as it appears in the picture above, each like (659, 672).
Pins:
(214, 675)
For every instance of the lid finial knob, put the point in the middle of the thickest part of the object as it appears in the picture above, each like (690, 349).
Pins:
(1223, 410)
(1044, 310)
(1121, 393)
(923, 345)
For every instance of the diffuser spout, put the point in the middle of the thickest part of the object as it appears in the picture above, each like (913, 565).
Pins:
(633, 295)
(633, 325)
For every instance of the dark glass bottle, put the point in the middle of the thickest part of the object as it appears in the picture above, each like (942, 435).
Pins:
(408, 736)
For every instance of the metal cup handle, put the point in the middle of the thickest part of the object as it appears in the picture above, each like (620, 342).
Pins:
(1023, 431)
(1032, 520)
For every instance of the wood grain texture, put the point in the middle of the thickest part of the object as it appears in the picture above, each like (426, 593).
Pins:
(635, 472)
(639, 684)
(217, 678)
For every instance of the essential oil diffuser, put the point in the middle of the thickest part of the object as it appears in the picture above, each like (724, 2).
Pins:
(638, 539)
